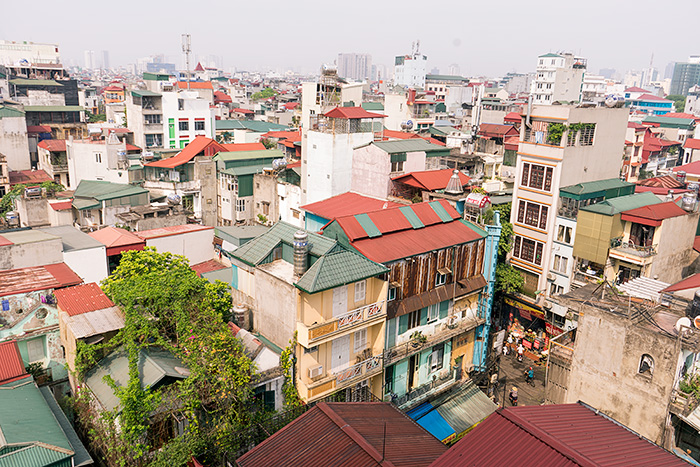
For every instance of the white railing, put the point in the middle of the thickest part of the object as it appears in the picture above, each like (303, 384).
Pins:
(358, 369)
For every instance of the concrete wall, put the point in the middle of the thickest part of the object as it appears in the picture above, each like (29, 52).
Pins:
(371, 170)
(33, 212)
(25, 255)
(195, 246)
(275, 314)
(675, 251)
(604, 372)
(289, 201)
(14, 143)
(396, 110)
(90, 264)
(205, 172)
(89, 160)
(265, 193)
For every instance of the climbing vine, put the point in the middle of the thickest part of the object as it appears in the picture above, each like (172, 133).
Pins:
(555, 131)
(289, 389)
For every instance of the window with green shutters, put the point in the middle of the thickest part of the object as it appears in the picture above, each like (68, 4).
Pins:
(444, 306)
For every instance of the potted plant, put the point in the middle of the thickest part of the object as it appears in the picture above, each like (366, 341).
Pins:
(418, 339)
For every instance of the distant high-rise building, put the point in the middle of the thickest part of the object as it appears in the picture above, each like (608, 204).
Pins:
(453, 70)
(686, 75)
(89, 59)
(435, 71)
(559, 78)
(409, 70)
(668, 71)
(355, 66)
(607, 73)
(105, 60)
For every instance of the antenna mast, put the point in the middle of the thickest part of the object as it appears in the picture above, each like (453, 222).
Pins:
(187, 49)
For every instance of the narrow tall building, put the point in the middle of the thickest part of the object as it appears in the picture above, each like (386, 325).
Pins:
(410, 70)
(559, 77)
(685, 75)
(355, 66)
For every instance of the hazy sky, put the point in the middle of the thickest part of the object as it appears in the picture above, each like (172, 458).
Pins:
(485, 38)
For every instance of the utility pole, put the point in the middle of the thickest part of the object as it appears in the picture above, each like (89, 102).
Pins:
(186, 49)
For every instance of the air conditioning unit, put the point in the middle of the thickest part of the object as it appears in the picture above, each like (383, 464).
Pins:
(315, 372)
(550, 276)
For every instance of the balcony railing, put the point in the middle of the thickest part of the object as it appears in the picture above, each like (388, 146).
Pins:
(345, 377)
(365, 367)
(406, 349)
(313, 334)
(417, 395)
(630, 247)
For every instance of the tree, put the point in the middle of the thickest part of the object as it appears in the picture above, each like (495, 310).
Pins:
(264, 94)
(678, 101)
(7, 201)
(508, 279)
(167, 305)
(95, 118)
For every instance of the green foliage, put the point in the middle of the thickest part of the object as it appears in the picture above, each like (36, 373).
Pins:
(505, 243)
(678, 101)
(95, 118)
(418, 337)
(264, 94)
(269, 144)
(508, 279)
(225, 137)
(554, 133)
(417, 198)
(35, 369)
(6, 203)
(262, 219)
(690, 384)
(287, 362)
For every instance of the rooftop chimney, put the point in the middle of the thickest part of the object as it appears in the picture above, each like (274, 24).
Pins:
(301, 256)
(454, 185)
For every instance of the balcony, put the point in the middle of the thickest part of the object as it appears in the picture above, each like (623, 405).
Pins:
(630, 252)
(582, 278)
(315, 334)
(345, 377)
(447, 331)
(192, 185)
(417, 395)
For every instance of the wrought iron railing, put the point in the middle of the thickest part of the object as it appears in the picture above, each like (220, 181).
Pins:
(631, 247)
(418, 393)
(347, 320)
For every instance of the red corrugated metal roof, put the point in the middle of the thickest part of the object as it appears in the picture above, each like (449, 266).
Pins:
(62, 205)
(34, 177)
(117, 240)
(692, 282)
(201, 144)
(244, 111)
(293, 135)
(195, 85)
(494, 130)
(665, 181)
(554, 435)
(354, 434)
(38, 129)
(654, 214)
(347, 204)
(398, 134)
(291, 105)
(11, 365)
(207, 266)
(651, 97)
(693, 168)
(351, 113)
(692, 143)
(172, 230)
(513, 117)
(52, 276)
(235, 147)
(681, 115)
(430, 180)
(636, 126)
(82, 299)
(4, 241)
(635, 89)
(55, 145)
(696, 244)
(222, 97)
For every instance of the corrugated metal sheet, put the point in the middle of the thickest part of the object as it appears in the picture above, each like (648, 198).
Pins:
(351, 113)
(613, 206)
(82, 299)
(96, 322)
(81, 456)
(101, 190)
(37, 455)
(347, 434)
(11, 365)
(554, 435)
(15, 281)
(172, 230)
(407, 145)
(347, 204)
(201, 144)
(653, 214)
(114, 237)
(430, 179)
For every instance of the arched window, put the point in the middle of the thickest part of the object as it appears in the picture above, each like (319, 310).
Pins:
(646, 365)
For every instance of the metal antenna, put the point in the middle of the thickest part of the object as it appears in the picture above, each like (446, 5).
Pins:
(187, 49)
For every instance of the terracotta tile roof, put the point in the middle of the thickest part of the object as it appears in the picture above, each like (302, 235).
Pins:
(51, 276)
(82, 299)
(117, 240)
(561, 435)
(351, 113)
(33, 177)
(61, 205)
(201, 144)
(347, 204)
(665, 181)
(222, 97)
(11, 364)
(653, 214)
(430, 180)
(497, 131)
(207, 266)
(350, 433)
(195, 85)
(243, 147)
(172, 230)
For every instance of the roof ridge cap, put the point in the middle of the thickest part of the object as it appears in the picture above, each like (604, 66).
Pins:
(353, 434)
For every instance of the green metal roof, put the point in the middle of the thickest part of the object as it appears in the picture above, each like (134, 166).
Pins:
(256, 250)
(36, 455)
(608, 188)
(407, 145)
(224, 275)
(369, 106)
(154, 364)
(144, 93)
(613, 206)
(85, 203)
(10, 112)
(239, 234)
(440, 211)
(34, 82)
(246, 155)
(26, 417)
(156, 76)
(251, 125)
(551, 55)
(81, 457)
(53, 108)
(101, 190)
(412, 217)
(338, 268)
(368, 225)
(670, 122)
(444, 78)
(441, 130)
(244, 170)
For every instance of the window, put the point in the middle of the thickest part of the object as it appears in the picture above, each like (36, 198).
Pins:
(240, 205)
(360, 340)
(556, 289)
(646, 365)
(537, 176)
(392, 293)
(436, 358)
(198, 126)
(397, 166)
(560, 263)
(528, 250)
(153, 119)
(440, 279)
(564, 234)
(98, 157)
(155, 140)
(35, 350)
(433, 312)
(413, 319)
(184, 125)
(532, 214)
(360, 291)
(587, 134)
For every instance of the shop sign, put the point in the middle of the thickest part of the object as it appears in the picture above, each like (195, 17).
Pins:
(525, 311)
(553, 330)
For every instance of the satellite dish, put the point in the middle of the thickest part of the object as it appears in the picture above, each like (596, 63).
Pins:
(684, 322)
(278, 164)
(173, 199)
(612, 101)
(409, 124)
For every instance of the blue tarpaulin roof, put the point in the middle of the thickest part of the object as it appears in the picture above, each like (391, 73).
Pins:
(435, 424)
